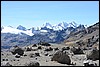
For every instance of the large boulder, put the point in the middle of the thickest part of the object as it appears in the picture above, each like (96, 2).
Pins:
(32, 63)
(17, 50)
(77, 50)
(93, 54)
(61, 57)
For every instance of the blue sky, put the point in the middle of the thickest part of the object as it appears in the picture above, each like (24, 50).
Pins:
(36, 13)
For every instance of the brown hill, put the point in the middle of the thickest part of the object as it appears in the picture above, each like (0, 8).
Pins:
(88, 37)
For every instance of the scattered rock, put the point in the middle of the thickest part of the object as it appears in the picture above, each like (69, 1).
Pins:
(37, 54)
(24, 55)
(85, 48)
(73, 63)
(6, 59)
(77, 50)
(2, 54)
(66, 52)
(14, 59)
(56, 48)
(86, 62)
(31, 55)
(17, 56)
(46, 54)
(50, 54)
(44, 44)
(28, 49)
(48, 49)
(34, 45)
(36, 58)
(46, 61)
(3, 59)
(34, 49)
(32, 63)
(39, 47)
(93, 54)
(17, 50)
(89, 63)
(65, 48)
(61, 57)
(5, 63)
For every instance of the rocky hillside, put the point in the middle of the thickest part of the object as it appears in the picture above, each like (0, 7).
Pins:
(88, 37)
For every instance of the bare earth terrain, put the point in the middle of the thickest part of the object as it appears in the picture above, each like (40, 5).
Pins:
(44, 57)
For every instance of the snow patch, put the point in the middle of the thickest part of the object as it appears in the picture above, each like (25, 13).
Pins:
(16, 31)
(43, 30)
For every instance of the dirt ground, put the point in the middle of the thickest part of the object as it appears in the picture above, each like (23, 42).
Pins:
(43, 60)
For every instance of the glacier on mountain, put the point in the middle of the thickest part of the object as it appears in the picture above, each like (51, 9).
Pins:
(47, 27)
(16, 31)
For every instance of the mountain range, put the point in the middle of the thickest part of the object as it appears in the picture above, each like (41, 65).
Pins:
(21, 36)
(45, 28)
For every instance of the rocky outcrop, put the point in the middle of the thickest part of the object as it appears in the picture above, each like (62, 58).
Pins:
(93, 54)
(61, 57)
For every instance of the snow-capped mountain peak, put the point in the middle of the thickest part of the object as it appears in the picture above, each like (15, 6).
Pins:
(73, 24)
(45, 28)
(48, 25)
(57, 27)
(20, 27)
(16, 31)
(61, 26)
(64, 25)
(10, 26)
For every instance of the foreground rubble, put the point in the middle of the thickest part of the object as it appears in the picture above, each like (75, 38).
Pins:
(52, 55)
